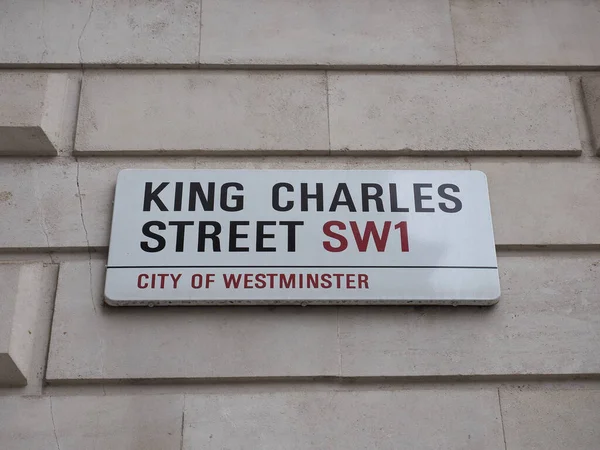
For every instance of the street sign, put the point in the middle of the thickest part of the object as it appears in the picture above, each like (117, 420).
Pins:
(199, 237)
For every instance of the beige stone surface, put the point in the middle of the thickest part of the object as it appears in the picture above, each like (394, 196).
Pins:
(591, 99)
(148, 422)
(468, 113)
(95, 342)
(532, 33)
(423, 419)
(39, 204)
(23, 297)
(547, 322)
(551, 419)
(537, 202)
(35, 304)
(26, 424)
(328, 32)
(37, 112)
(191, 111)
(14, 342)
(64, 32)
(66, 139)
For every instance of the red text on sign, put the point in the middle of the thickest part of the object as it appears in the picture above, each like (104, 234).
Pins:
(296, 281)
(158, 280)
(363, 237)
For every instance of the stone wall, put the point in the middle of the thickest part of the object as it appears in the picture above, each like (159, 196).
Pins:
(90, 87)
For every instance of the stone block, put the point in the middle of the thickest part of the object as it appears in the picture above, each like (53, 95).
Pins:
(91, 341)
(466, 114)
(107, 32)
(434, 419)
(21, 305)
(329, 32)
(542, 203)
(149, 422)
(551, 419)
(544, 324)
(532, 33)
(37, 112)
(26, 424)
(39, 204)
(38, 297)
(190, 111)
(591, 98)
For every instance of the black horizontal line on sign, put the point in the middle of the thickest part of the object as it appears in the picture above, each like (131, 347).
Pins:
(301, 267)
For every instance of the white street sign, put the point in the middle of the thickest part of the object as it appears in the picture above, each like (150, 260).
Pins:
(197, 237)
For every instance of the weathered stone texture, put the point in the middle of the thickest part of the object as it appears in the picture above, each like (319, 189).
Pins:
(591, 99)
(148, 422)
(551, 419)
(38, 293)
(472, 113)
(64, 32)
(37, 112)
(21, 307)
(202, 111)
(288, 111)
(40, 204)
(531, 33)
(14, 340)
(543, 203)
(26, 424)
(329, 32)
(545, 324)
(424, 419)
(94, 342)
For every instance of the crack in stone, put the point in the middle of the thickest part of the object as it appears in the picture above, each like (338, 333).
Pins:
(182, 422)
(469, 163)
(333, 395)
(200, 34)
(87, 240)
(327, 106)
(41, 213)
(83, 31)
(453, 32)
(44, 230)
(43, 27)
(502, 419)
(46, 234)
(53, 424)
